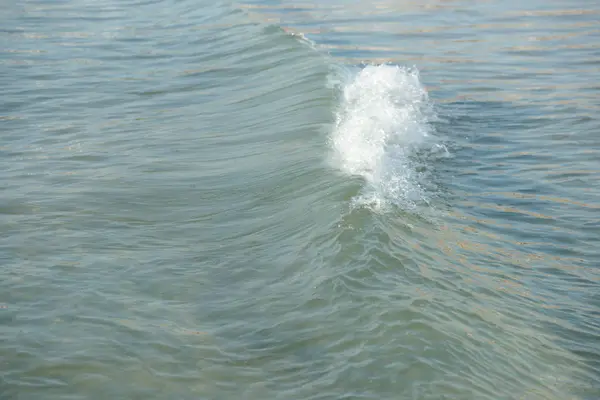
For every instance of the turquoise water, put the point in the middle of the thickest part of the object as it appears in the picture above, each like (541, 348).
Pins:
(285, 200)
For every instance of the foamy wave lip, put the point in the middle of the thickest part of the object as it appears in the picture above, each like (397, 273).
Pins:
(383, 117)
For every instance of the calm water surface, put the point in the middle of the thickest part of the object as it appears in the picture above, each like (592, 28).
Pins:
(300, 200)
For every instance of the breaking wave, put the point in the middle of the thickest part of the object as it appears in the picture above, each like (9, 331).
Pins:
(382, 122)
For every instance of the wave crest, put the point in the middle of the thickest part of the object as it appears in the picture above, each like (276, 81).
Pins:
(383, 117)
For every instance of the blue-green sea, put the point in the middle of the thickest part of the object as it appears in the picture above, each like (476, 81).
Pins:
(299, 200)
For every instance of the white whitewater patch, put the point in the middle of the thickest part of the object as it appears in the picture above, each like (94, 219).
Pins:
(383, 118)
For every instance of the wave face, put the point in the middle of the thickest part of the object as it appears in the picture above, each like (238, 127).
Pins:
(383, 118)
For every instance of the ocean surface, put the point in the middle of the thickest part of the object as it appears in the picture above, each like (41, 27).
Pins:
(300, 200)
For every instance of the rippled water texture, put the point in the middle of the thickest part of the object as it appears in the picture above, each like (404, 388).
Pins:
(317, 200)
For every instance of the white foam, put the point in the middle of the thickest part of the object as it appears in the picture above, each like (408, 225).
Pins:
(382, 118)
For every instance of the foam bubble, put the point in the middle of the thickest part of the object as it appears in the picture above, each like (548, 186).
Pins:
(383, 117)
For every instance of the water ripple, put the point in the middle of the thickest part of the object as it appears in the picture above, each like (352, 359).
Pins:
(174, 224)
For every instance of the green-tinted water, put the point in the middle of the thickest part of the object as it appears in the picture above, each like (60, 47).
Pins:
(281, 200)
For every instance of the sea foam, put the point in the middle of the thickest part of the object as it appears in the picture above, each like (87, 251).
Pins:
(381, 122)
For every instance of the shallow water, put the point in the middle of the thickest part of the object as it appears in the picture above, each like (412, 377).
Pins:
(285, 200)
